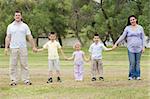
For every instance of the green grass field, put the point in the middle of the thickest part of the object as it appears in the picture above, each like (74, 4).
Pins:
(115, 86)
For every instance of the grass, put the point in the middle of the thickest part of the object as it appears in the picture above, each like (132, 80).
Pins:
(115, 86)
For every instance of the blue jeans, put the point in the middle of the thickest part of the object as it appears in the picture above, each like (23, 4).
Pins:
(134, 60)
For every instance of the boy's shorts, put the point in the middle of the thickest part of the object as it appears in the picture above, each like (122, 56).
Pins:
(53, 64)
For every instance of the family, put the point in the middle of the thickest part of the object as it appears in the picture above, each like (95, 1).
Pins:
(15, 42)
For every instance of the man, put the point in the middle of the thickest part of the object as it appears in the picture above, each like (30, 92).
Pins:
(15, 39)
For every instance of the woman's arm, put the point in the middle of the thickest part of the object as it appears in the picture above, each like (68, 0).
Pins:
(122, 37)
(143, 41)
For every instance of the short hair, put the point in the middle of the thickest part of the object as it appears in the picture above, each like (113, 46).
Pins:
(53, 33)
(96, 34)
(18, 11)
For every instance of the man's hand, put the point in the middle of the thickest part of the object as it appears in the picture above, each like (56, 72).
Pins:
(34, 49)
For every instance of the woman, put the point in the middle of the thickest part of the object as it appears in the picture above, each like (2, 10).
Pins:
(134, 34)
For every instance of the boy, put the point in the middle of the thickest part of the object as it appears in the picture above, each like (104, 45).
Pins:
(53, 58)
(96, 57)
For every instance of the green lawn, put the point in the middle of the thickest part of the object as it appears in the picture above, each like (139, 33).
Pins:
(115, 86)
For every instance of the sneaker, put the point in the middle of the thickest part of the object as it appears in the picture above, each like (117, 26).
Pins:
(50, 80)
(130, 78)
(28, 83)
(13, 83)
(138, 78)
(101, 78)
(93, 79)
(58, 79)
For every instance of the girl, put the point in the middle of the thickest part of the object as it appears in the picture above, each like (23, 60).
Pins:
(79, 58)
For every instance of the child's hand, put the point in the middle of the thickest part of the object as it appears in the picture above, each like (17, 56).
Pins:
(110, 49)
(39, 50)
(114, 46)
(34, 49)
(65, 58)
(87, 60)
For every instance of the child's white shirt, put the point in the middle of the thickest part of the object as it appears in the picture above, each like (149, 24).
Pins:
(96, 50)
(52, 49)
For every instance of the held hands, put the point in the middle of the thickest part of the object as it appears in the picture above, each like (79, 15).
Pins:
(34, 49)
(37, 50)
(114, 46)
(66, 58)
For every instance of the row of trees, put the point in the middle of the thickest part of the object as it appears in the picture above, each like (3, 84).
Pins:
(80, 17)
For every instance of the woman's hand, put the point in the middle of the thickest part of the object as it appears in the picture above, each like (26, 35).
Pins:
(114, 46)
(143, 50)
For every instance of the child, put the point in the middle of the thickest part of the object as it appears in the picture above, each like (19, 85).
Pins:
(53, 58)
(96, 57)
(79, 58)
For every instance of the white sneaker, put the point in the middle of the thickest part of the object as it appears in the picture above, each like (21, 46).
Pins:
(138, 78)
(27, 82)
(130, 78)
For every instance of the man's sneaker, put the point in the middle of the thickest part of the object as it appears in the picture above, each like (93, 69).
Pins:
(130, 78)
(101, 78)
(13, 83)
(27, 83)
(138, 78)
(58, 79)
(93, 79)
(50, 80)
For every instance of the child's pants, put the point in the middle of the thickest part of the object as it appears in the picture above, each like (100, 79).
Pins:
(78, 72)
(97, 66)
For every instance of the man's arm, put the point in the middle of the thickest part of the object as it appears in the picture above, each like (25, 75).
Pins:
(31, 41)
(7, 43)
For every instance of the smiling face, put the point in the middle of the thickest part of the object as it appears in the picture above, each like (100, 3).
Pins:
(77, 46)
(52, 37)
(96, 39)
(18, 16)
(133, 21)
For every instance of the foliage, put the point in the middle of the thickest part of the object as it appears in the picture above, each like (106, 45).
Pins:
(61, 16)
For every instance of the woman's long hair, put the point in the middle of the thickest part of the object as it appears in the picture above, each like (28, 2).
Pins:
(129, 19)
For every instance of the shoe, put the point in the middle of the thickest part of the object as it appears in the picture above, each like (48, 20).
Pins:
(101, 78)
(28, 83)
(93, 79)
(58, 79)
(130, 78)
(50, 80)
(138, 78)
(13, 83)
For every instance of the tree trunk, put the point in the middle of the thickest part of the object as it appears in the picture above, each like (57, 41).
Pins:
(60, 40)
(108, 24)
(37, 41)
(77, 29)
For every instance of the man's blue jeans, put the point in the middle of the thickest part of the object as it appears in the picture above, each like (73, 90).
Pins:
(134, 67)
